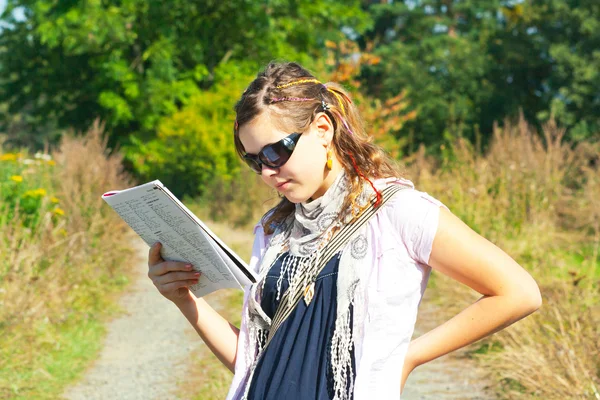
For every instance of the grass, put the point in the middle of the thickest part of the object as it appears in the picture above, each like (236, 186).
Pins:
(59, 270)
(558, 342)
(47, 356)
(62, 354)
(208, 378)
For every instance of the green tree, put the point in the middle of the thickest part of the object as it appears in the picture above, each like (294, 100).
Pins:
(436, 50)
(567, 34)
(133, 62)
(468, 64)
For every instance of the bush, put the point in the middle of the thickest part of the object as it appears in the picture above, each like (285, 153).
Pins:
(194, 147)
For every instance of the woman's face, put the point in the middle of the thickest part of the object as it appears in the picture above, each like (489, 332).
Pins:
(304, 176)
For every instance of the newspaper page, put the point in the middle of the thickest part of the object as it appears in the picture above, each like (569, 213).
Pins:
(156, 215)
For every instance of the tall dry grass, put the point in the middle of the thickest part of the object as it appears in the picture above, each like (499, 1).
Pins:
(537, 197)
(555, 353)
(63, 272)
(240, 202)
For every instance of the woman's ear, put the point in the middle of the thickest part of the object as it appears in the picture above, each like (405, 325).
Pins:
(324, 127)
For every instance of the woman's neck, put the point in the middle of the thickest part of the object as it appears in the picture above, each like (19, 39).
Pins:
(327, 182)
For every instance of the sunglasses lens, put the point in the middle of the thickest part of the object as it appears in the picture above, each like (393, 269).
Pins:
(255, 166)
(275, 155)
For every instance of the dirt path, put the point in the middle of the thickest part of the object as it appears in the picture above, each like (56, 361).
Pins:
(146, 349)
(452, 377)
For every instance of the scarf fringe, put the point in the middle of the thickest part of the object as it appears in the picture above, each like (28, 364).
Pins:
(341, 358)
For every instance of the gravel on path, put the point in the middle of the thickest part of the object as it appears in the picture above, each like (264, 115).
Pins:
(145, 351)
(451, 377)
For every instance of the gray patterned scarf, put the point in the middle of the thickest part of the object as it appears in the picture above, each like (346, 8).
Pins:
(303, 234)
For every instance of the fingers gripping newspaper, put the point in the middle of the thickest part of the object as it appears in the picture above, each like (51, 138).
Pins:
(155, 214)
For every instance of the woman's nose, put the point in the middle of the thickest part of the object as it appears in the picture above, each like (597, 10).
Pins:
(267, 172)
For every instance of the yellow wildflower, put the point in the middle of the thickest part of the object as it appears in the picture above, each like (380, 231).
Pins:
(35, 193)
(58, 211)
(8, 157)
(51, 162)
(62, 232)
(54, 200)
(16, 178)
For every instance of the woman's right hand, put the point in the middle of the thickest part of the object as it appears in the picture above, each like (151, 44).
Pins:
(171, 278)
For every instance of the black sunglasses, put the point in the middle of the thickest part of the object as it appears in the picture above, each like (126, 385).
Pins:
(273, 155)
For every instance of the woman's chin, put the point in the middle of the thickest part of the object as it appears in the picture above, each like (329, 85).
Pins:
(294, 198)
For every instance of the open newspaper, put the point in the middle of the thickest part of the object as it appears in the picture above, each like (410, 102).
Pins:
(155, 214)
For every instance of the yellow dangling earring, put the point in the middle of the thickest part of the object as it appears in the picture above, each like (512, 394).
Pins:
(329, 160)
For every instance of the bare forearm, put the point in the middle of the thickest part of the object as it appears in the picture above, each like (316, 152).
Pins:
(486, 316)
(219, 335)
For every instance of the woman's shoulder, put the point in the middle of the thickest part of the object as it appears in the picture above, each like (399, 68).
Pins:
(414, 216)
(382, 183)
(259, 227)
(409, 198)
(259, 246)
(259, 233)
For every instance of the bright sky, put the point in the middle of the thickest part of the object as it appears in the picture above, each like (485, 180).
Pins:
(18, 12)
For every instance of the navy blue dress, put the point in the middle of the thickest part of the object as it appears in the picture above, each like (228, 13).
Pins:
(295, 365)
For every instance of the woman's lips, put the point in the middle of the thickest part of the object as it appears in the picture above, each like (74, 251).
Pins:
(282, 185)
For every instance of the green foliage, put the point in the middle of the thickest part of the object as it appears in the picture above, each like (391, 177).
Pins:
(568, 36)
(195, 145)
(133, 62)
(155, 70)
(241, 201)
(437, 52)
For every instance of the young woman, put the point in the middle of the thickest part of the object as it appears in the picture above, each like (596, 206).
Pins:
(343, 259)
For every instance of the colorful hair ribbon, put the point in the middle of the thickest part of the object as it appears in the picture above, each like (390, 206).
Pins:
(344, 122)
(339, 99)
(297, 83)
(323, 102)
(278, 99)
(377, 192)
(326, 107)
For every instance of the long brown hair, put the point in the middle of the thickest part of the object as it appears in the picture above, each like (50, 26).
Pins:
(293, 97)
